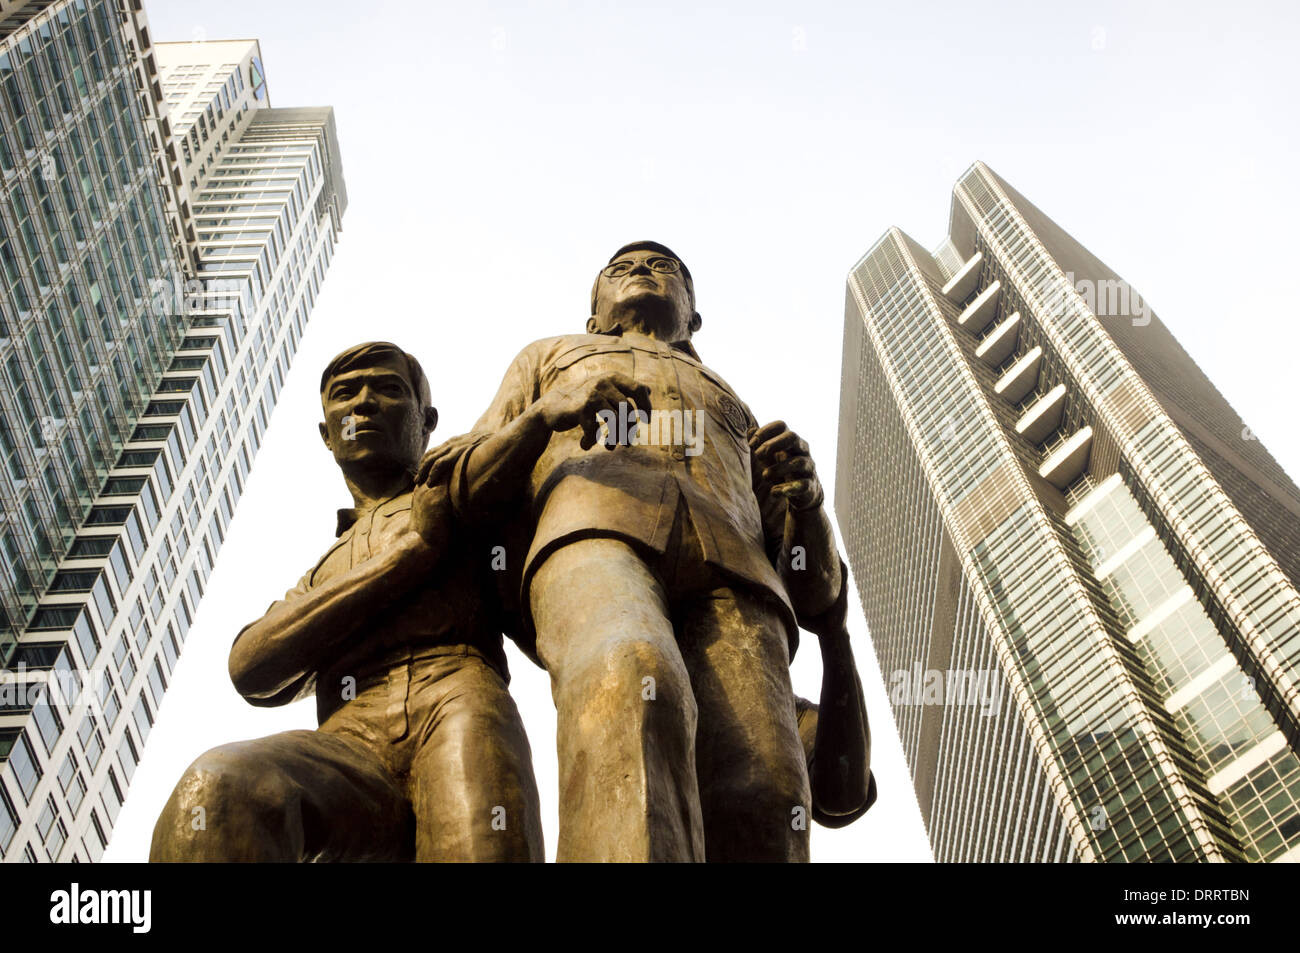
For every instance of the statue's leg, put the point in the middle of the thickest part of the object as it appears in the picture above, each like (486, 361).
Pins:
(294, 796)
(626, 717)
(753, 778)
(471, 786)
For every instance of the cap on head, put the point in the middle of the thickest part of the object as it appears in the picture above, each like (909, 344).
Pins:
(647, 246)
(372, 352)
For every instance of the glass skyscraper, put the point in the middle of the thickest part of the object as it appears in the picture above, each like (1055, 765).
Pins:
(1078, 566)
(163, 238)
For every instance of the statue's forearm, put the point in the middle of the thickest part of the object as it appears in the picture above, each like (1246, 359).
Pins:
(841, 769)
(297, 636)
(810, 565)
(497, 470)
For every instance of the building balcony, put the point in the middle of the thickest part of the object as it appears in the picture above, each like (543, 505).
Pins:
(999, 345)
(1021, 377)
(960, 285)
(1043, 416)
(1064, 464)
(980, 312)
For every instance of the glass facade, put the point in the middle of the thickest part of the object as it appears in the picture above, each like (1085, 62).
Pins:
(1052, 551)
(82, 235)
(111, 592)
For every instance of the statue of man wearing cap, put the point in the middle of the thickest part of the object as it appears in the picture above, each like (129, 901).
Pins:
(676, 546)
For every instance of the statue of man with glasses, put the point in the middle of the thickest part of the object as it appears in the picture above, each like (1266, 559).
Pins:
(675, 548)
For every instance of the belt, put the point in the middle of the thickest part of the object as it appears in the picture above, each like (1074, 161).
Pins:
(399, 683)
(394, 671)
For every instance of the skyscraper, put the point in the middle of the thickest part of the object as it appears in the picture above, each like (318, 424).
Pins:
(164, 236)
(1078, 567)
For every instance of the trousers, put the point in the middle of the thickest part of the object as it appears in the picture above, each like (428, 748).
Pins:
(429, 762)
(677, 735)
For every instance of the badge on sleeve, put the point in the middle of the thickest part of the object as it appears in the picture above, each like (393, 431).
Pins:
(733, 414)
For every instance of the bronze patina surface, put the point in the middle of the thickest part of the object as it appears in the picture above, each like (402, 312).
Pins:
(673, 547)
(420, 753)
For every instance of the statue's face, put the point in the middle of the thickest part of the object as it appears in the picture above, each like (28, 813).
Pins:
(373, 417)
(658, 298)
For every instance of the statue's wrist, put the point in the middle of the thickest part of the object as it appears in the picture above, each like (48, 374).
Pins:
(814, 504)
(539, 418)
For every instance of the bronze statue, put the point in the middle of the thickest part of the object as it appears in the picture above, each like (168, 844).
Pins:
(421, 753)
(665, 580)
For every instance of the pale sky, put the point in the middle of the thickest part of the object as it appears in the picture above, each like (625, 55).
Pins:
(496, 154)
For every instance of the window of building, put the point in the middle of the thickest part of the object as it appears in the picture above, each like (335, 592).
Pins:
(171, 651)
(140, 626)
(183, 622)
(8, 821)
(110, 704)
(93, 839)
(138, 458)
(53, 832)
(92, 741)
(48, 723)
(112, 797)
(152, 431)
(91, 547)
(163, 408)
(127, 756)
(65, 681)
(26, 769)
(76, 580)
(38, 656)
(143, 718)
(154, 592)
(135, 535)
(53, 617)
(157, 683)
(108, 515)
(123, 486)
(72, 783)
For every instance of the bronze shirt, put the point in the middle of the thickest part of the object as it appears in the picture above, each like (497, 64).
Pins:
(634, 492)
(455, 606)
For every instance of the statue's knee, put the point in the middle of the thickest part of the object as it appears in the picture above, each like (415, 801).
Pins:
(226, 780)
(228, 805)
(642, 670)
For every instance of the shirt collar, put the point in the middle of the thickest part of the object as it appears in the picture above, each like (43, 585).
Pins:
(684, 346)
(348, 517)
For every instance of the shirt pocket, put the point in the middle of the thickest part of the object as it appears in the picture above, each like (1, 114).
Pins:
(582, 355)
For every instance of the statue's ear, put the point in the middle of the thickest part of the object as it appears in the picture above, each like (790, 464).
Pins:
(325, 435)
(696, 322)
(592, 327)
(430, 419)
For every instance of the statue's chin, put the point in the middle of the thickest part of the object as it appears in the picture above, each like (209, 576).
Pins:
(652, 314)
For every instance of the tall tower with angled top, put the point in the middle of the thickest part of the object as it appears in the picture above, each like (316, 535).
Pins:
(1043, 497)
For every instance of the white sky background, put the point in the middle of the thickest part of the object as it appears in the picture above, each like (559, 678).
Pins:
(496, 154)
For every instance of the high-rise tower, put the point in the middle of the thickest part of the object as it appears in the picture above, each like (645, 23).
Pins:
(1078, 567)
(165, 234)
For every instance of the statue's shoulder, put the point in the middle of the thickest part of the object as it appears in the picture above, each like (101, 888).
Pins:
(545, 350)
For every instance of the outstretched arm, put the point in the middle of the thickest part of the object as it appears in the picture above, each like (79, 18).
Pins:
(274, 660)
(497, 466)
